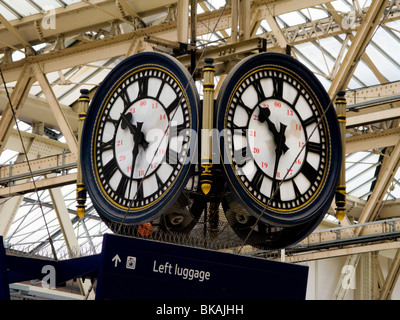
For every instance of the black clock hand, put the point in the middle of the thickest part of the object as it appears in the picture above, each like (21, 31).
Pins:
(264, 116)
(278, 152)
(126, 122)
(135, 152)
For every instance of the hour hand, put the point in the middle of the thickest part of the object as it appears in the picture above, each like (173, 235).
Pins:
(126, 122)
(264, 116)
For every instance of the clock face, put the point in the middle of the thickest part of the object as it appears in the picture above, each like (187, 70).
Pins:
(278, 150)
(138, 137)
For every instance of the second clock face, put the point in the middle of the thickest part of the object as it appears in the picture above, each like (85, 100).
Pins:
(267, 109)
(139, 138)
(277, 141)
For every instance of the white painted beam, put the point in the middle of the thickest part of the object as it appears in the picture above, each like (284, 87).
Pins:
(67, 230)
(385, 177)
(56, 109)
(372, 117)
(332, 253)
(391, 278)
(27, 187)
(38, 110)
(17, 98)
(75, 19)
(373, 140)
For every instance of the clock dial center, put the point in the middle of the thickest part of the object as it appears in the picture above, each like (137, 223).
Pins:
(143, 123)
(276, 136)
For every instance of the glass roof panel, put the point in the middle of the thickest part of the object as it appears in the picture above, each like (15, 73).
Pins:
(331, 45)
(314, 14)
(47, 5)
(7, 13)
(341, 6)
(22, 7)
(386, 67)
(68, 2)
(292, 18)
(365, 74)
(389, 43)
(314, 58)
(360, 173)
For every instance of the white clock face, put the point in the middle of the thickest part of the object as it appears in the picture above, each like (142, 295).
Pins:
(276, 142)
(142, 139)
(155, 124)
(262, 144)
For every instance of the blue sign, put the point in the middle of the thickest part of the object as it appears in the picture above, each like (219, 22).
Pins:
(150, 270)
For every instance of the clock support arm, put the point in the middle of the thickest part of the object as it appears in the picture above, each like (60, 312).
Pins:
(80, 187)
(207, 126)
(340, 192)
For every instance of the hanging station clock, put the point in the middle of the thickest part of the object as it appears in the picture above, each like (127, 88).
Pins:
(138, 137)
(281, 145)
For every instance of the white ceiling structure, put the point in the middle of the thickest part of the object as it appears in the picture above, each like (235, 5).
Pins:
(51, 49)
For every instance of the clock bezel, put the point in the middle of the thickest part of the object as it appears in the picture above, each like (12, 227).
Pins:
(321, 199)
(103, 203)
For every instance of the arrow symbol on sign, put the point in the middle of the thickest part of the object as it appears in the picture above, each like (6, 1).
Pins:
(116, 259)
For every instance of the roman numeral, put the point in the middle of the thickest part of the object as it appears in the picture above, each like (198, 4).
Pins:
(125, 97)
(314, 147)
(260, 91)
(295, 100)
(309, 171)
(143, 83)
(160, 90)
(176, 130)
(173, 105)
(248, 110)
(105, 146)
(257, 180)
(160, 183)
(242, 156)
(171, 157)
(296, 189)
(275, 190)
(309, 121)
(239, 130)
(139, 191)
(123, 184)
(278, 87)
(109, 169)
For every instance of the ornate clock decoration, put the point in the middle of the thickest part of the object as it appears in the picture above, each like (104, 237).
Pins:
(138, 137)
(281, 145)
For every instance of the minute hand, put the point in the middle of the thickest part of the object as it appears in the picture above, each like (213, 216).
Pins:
(278, 153)
(264, 116)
